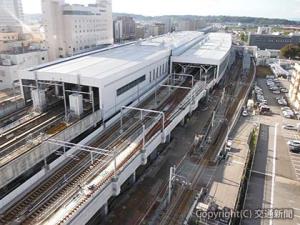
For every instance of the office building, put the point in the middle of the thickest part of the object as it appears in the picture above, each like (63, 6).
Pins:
(266, 41)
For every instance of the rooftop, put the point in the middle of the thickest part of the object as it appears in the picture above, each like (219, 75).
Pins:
(114, 62)
(211, 50)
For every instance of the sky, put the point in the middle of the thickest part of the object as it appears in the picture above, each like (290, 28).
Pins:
(288, 9)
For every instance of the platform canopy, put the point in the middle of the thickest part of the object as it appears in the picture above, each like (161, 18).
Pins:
(211, 50)
(106, 65)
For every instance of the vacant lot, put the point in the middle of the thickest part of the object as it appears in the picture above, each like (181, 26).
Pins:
(263, 71)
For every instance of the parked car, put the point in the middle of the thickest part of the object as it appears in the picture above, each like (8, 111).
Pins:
(274, 88)
(265, 110)
(288, 114)
(245, 113)
(289, 127)
(294, 143)
(276, 92)
(270, 77)
(282, 102)
(294, 149)
(284, 90)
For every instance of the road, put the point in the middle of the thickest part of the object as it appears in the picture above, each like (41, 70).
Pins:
(274, 181)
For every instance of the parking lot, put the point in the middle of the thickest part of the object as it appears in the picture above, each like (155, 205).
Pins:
(275, 178)
(286, 134)
(295, 157)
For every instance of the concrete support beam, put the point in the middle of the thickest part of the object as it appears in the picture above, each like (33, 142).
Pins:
(144, 157)
(116, 187)
(182, 123)
(105, 208)
(133, 177)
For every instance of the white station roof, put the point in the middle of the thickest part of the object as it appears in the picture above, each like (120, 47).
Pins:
(103, 66)
(211, 50)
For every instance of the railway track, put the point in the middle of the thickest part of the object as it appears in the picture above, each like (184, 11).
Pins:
(181, 203)
(14, 116)
(13, 135)
(25, 211)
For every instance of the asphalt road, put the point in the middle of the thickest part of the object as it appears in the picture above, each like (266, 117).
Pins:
(274, 181)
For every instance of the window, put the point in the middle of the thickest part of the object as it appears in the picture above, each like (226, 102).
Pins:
(150, 77)
(157, 72)
(132, 84)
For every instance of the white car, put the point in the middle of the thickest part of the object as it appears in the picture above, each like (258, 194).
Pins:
(294, 143)
(276, 92)
(285, 108)
(284, 90)
(245, 113)
(288, 114)
(270, 76)
(282, 102)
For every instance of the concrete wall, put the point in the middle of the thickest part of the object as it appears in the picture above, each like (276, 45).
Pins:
(10, 108)
(26, 161)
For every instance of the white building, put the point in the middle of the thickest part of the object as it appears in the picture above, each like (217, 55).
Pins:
(118, 75)
(264, 30)
(72, 29)
(11, 63)
(267, 56)
(11, 13)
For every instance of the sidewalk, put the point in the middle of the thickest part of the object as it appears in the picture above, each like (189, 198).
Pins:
(225, 186)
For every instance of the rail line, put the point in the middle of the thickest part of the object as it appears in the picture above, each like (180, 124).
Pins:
(181, 202)
(9, 137)
(26, 212)
(13, 116)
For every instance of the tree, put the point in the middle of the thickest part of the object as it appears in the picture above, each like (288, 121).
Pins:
(291, 51)
(244, 37)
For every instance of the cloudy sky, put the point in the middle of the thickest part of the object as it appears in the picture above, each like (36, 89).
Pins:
(256, 8)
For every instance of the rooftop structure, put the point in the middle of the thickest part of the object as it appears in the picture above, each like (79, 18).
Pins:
(117, 69)
(102, 66)
(211, 50)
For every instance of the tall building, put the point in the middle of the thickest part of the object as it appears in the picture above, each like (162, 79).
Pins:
(72, 29)
(155, 29)
(124, 28)
(11, 13)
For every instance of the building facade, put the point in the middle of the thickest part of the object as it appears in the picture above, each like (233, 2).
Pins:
(11, 13)
(124, 28)
(72, 29)
(11, 63)
(265, 41)
(294, 92)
